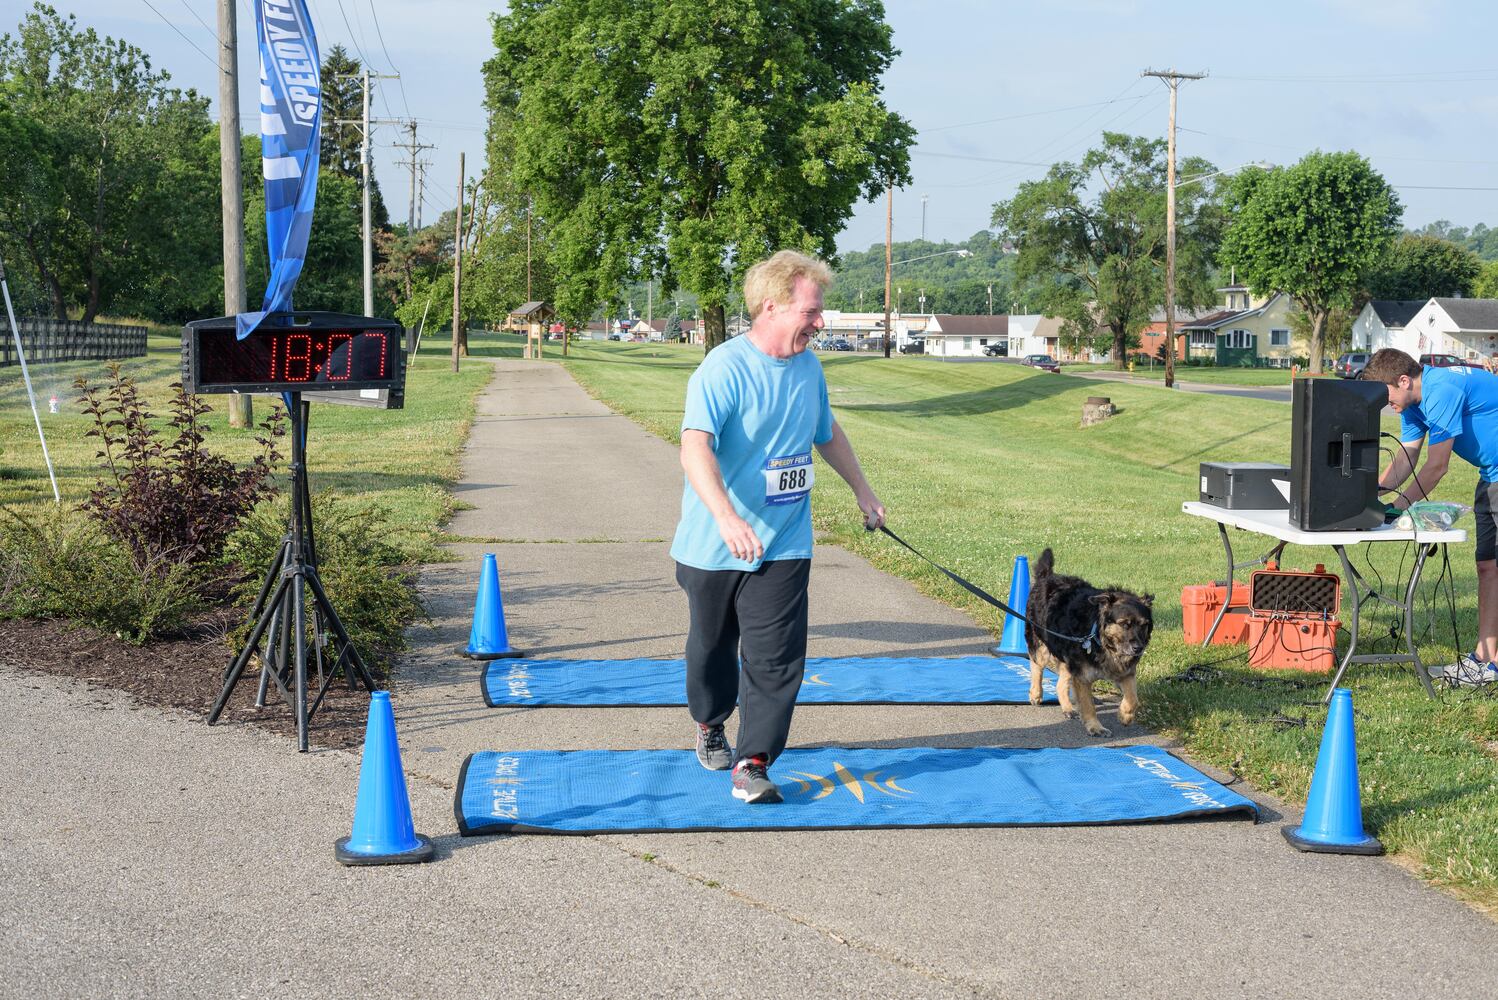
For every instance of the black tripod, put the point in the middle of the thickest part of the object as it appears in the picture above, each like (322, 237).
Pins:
(280, 614)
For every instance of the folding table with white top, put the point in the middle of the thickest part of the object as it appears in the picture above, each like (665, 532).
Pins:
(1276, 524)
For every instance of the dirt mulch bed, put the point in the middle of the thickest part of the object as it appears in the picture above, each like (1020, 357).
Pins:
(186, 673)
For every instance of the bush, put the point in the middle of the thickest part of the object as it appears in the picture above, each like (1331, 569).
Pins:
(56, 564)
(173, 502)
(369, 581)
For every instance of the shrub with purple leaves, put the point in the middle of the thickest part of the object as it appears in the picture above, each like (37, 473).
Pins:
(166, 497)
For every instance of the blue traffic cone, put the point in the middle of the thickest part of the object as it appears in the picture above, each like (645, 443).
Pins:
(1333, 822)
(1012, 642)
(488, 640)
(383, 832)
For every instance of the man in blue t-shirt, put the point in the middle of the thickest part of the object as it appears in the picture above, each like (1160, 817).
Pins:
(755, 408)
(1449, 410)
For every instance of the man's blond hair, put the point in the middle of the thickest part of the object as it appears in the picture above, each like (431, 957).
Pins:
(775, 279)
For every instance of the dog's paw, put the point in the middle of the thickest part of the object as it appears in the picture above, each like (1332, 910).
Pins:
(1126, 716)
(1098, 730)
(1035, 696)
(1069, 713)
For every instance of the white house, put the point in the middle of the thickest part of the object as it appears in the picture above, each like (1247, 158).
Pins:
(863, 328)
(1032, 333)
(950, 336)
(1385, 323)
(1467, 328)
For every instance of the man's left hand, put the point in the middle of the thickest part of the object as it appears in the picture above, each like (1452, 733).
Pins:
(873, 512)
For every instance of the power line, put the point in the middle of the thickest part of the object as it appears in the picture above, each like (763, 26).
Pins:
(398, 81)
(189, 41)
(200, 20)
(1029, 114)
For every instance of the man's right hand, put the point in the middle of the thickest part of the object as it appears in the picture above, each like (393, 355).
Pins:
(740, 538)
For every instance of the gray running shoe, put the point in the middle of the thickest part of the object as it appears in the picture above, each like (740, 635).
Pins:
(1467, 671)
(752, 784)
(713, 751)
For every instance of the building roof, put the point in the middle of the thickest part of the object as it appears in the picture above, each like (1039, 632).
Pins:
(1472, 315)
(969, 326)
(1213, 320)
(1396, 313)
(532, 308)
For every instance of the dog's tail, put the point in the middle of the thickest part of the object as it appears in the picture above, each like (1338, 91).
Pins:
(1044, 566)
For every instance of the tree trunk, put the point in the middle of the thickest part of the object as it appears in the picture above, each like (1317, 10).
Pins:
(1317, 338)
(715, 327)
(91, 306)
(1120, 346)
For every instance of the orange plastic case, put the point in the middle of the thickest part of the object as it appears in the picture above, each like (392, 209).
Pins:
(1199, 606)
(1317, 594)
(1292, 642)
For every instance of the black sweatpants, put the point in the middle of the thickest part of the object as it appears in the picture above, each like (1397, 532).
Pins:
(764, 613)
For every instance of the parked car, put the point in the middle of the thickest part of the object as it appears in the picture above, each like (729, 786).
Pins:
(1442, 361)
(838, 344)
(1042, 361)
(916, 346)
(999, 350)
(1351, 365)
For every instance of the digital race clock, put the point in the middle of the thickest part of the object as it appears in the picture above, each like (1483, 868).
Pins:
(294, 352)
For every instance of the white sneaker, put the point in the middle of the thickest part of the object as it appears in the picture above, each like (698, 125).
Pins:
(1467, 671)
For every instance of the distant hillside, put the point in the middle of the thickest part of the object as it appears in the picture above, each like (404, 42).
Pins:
(952, 283)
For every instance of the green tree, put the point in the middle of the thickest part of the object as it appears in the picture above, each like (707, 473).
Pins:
(112, 185)
(343, 101)
(333, 275)
(1312, 231)
(1091, 239)
(685, 141)
(1485, 285)
(1420, 267)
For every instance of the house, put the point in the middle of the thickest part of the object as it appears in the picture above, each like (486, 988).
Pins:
(949, 336)
(867, 328)
(1152, 337)
(1032, 333)
(1248, 330)
(1467, 328)
(1385, 323)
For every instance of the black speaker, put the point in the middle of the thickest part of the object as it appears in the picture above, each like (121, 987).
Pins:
(1334, 457)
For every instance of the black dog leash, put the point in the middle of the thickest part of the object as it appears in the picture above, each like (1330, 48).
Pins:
(983, 595)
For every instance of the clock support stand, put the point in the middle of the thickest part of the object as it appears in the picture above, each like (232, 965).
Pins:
(280, 636)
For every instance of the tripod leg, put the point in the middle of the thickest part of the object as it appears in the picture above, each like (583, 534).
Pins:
(265, 588)
(345, 644)
(243, 659)
(267, 661)
(298, 617)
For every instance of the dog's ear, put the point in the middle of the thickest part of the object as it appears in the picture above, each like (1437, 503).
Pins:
(1148, 599)
(1104, 599)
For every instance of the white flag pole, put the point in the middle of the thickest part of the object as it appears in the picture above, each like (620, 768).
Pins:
(26, 375)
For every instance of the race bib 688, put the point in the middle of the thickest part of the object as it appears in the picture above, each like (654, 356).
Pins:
(788, 478)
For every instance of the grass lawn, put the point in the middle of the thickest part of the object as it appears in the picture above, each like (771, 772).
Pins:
(401, 460)
(1208, 375)
(980, 463)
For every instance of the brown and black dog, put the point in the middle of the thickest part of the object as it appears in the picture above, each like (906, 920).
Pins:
(1071, 607)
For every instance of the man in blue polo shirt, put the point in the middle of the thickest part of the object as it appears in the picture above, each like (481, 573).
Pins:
(755, 408)
(1449, 410)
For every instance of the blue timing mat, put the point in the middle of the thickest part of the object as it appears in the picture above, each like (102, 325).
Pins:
(907, 680)
(834, 788)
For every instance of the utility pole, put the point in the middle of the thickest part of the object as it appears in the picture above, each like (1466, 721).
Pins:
(529, 204)
(990, 298)
(923, 216)
(1173, 81)
(414, 148)
(421, 186)
(231, 196)
(458, 267)
(889, 260)
(364, 122)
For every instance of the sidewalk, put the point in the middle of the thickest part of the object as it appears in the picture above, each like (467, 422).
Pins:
(147, 855)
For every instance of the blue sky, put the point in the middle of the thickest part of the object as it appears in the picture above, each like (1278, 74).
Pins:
(1413, 86)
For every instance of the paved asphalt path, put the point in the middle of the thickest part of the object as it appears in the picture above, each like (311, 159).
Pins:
(146, 855)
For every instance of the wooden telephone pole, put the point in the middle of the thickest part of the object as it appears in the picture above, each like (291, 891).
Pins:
(458, 343)
(889, 264)
(1173, 81)
(231, 197)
